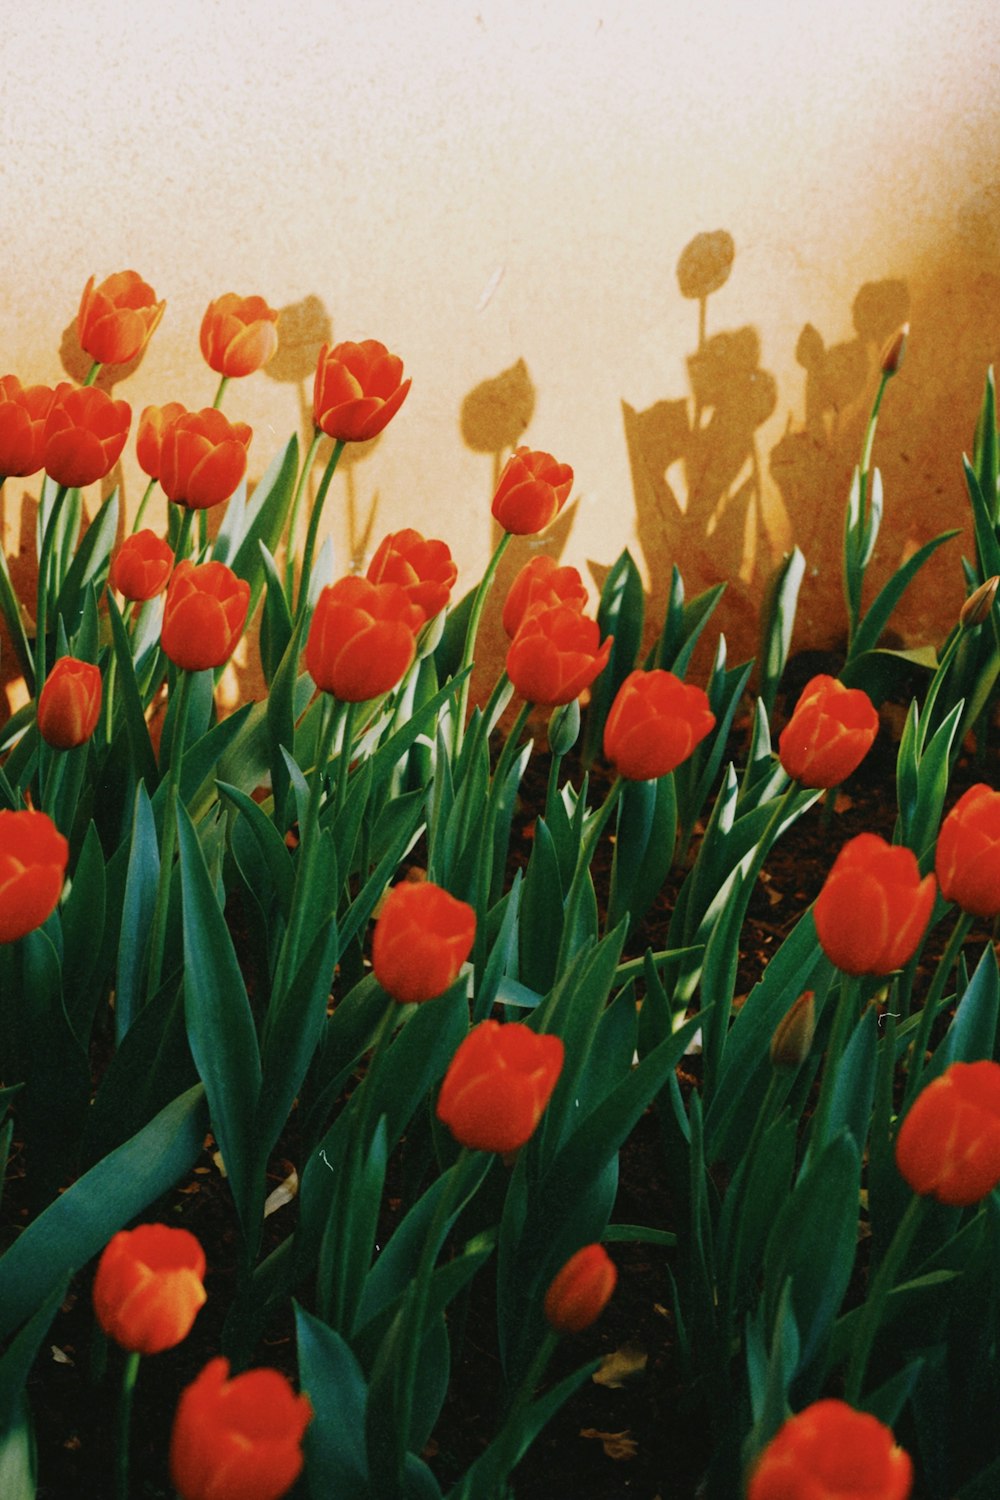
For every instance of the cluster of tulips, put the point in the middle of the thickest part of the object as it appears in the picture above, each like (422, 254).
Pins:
(344, 768)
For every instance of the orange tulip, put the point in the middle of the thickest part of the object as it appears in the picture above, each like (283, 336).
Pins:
(423, 568)
(362, 638)
(23, 413)
(873, 908)
(581, 1291)
(654, 724)
(829, 1451)
(141, 566)
(540, 582)
(498, 1084)
(84, 434)
(358, 390)
(238, 1439)
(70, 703)
(948, 1146)
(203, 457)
(532, 491)
(204, 615)
(238, 334)
(33, 858)
(831, 730)
(149, 1287)
(422, 938)
(116, 319)
(968, 852)
(556, 653)
(149, 438)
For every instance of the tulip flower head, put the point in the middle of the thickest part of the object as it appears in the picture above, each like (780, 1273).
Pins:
(149, 436)
(23, 412)
(238, 1439)
(967, 861)
(948, 1146)
(238, 335)
(141, 566)
(204, 615)
(873, 908)
(149, 1287)
(203, 457)
(422, 938)
(541, 582)
(424, 569)
(654, 724)
(33, 859)
(831, 730)
(84, 434)
(533, 489)
(357, 391)
(581, 1290)
(556, 653)
(498, 1084)
(362, 638)
(70, 703)
(117, 319)
(829, 1451)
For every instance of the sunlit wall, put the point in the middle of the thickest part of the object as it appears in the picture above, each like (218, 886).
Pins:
(532, 204)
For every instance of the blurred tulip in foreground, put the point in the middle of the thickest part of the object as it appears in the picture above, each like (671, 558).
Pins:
(33, 858)
(829, 1451)
(238, 1439)
(149, 1287)
(581, 1291)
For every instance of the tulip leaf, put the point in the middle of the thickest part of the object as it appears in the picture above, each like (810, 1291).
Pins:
(972, 1033)
(20, 1353)
(540, 919)
(128, 697)
(620, 614)
(777, 623)
(879, 612)
(853, 1086)
(334, 1443)
(264, 518)
(83, 917)
(276, 619)
(90, 559)
(292, 1032)
(644, 848)
(18, 1455)
(983, 511)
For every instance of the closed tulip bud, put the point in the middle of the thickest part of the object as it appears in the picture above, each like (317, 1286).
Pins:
(976, 609)
(70, 703)
(422, 938)
(33, 858)
(532, 491)
(23, 412)
(967, 861)
(556, 653)
(829, 1451)
(541, 582)
(238, 335)
(793, 1035)
(204, 615)
(948, 1146)
(149, 1287)
(656, 721)
(874, 908)
(498, 1084)
(149, 437)
(84, 434)
(581, 1290)
(423, 569)
(117, 319)
(238, 1439)
(362, 638)
(357, 391)
(203, 457)
(141, 566)
(892, 354)
(831, 730)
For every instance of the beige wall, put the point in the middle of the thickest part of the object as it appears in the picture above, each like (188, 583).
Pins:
(502, 193)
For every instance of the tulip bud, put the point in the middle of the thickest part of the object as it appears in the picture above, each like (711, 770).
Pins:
(581, 1290)
(794, 1033)
(892, 354)
(564, 728)
(70, 703)
(976, 609)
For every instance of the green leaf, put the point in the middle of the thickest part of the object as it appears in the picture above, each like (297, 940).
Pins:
(18, 1456)
(334, 1444)
(644, 848)
(880, 610)
(264, 518)
(88, 563)
(276, 620)
(620, 614)
(777, 623)
(83, 916)
(128, 697)
(20, 1354)
(540, 919)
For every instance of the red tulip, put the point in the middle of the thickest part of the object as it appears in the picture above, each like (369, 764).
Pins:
(654, 724)
(540, 582)
(422, 938)
(424, 569)
(358, 390)
(829, 734)
(556, 653)
(948, 1146)
(204, 615)
(117, 319)
(23, 413)
(873, 908)
(141, 566)
(532, 491)
(84, 434)
(238, 334)
(203, 457)
(70, 703)
(829, 1451)
(362, 638)
(33, 858)
(149, 1287)
(581, 1290)
(238, 1439)
(968, 852)
(498, 1084)
(149, 436)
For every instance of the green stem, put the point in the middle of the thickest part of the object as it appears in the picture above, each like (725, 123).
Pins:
(293, 521)
(484, 870)
(169, 839)
(184, 534)
(220, 392)
(44, 562)
(936, 683)
(848, 1005)
(472, 630)
(874, 1303)
(310, 546)
(147, 495)
(915, 1066)
(588, 844)
(129, 1376)
(344, 759)
(93, 372)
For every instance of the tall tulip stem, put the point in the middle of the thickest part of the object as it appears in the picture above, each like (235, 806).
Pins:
(879, 1289)
(919, 1046)
(472, 631)
(293, 518)
(129, 1376)
(317, 511)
